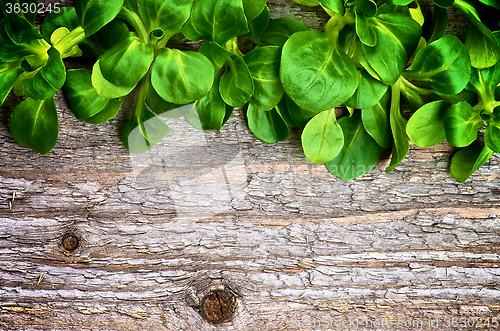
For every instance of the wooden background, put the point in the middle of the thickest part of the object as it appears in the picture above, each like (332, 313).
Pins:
(211, 210)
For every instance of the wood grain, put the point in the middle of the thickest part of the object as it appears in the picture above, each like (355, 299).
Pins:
(299, 248)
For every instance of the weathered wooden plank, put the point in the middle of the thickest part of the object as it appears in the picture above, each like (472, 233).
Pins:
(209, 210)
(420, 266)
(193, 173)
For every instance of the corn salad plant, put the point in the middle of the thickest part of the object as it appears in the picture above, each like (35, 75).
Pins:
(370, 58)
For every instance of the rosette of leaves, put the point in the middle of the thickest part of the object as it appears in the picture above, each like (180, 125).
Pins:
(268, 115)
(458, 119)
(363, 52)
(166, 77)
(32, 66)
(444, 65)
(239, 78)
(93, 45)
(483, 49)
(380, 41)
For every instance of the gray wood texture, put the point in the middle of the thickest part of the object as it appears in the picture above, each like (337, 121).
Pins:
(299, 248)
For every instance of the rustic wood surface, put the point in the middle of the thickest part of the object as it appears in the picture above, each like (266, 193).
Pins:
(298, 248)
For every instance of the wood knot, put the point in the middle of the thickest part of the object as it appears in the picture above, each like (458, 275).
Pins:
(70, 242)
(218, 306)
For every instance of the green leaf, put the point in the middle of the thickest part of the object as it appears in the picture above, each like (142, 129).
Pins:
(194, 120)
(298, 115)
(316, 76)
(467, 9)
(84, 101)
(279, 30)
(181, 76)
(94, 46)
(165, 109)
(81, 95)
(108, 112)
(169, 15)
(216, 20)
(322, 138)
(366, 33)
(34, 124)
(412, 98)
(16, 29)
(483, 48)
(439, 23)
(144, 130)
(131, 5)
(108, 36)
(492, 136)
(444, 3)
(484, 82)
(211, 108)
(492, 3)
(461, 123)
(401, 145)
(65, 17)
(397, 37)
(417, 15)
(156, 35)
(258, 25)
(367, 8)
(190, 31)
(368, 93)
(360, 152)
(236, 85)
(7, 80)
(399, 2)
(217, 54)
(425, 127)
(376, 121)
(264, 66)
(267, 126)
(444, 65)
(48, 80)
(335, 5)
(467, 160)
(105, 88)
(421, 44)
(253, 8)
(360, 57)
(283, 111)
(117, 62)
(94, 14)
(18, 38)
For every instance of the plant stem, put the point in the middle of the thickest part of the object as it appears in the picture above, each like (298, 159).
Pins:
(38, 46)
(71, 39)
(452, 98)
(232, 46)
(136, 22)
(163, 42)
(396, 95)
(336, 23)
(143, 90)
(140, 104)
(419, 90)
